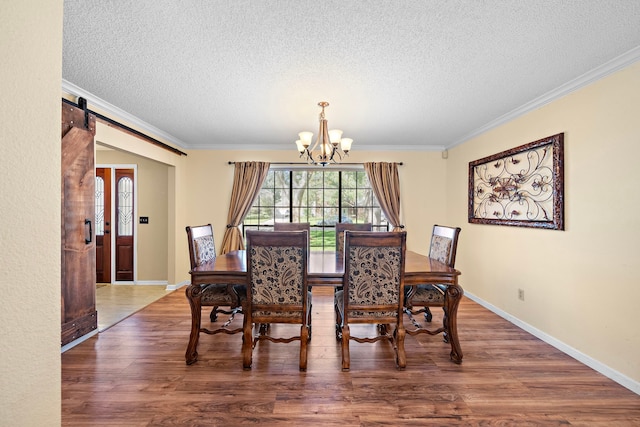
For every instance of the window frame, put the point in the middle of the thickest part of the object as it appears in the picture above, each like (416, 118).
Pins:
(288, 210)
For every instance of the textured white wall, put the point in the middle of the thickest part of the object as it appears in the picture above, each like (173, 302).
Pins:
(581, 284)
(31, 34)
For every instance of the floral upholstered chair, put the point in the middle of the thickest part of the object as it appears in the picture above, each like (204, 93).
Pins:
(226, 299)
(373, 289)
(277, 289)
(341, 227)
(444, 244)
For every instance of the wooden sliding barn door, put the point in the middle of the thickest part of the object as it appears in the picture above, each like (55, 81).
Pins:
(79, 315)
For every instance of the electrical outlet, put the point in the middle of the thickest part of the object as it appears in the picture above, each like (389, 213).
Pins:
(521, 294)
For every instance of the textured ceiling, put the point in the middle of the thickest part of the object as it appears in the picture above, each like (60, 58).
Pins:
(416, 74)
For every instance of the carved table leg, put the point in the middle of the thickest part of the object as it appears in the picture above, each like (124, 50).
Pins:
(193, 295)
(452, 301)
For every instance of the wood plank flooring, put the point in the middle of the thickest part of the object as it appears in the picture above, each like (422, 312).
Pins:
(134, 374)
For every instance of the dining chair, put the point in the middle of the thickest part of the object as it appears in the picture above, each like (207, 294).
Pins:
(443, 248)
(341, 227)
(277, 290)
(373, 290)
(292, 226)
(201, 250)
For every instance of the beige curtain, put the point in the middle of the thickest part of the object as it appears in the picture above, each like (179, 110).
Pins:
(247, 181)
(385, 183)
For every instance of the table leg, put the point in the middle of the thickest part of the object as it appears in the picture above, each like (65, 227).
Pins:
(193, 295)
(452, 301)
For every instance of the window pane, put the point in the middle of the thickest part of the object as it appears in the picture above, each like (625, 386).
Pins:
(300, 179)
(99, 206)
(364, 197)
(319, 197)
(253, 217)
(282, 197)
(349, 179)
(125, 207)
(316, 179)
(331, 179)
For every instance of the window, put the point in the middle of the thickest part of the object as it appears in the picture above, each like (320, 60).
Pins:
(319, 197)
(99, 206)
(125, 207)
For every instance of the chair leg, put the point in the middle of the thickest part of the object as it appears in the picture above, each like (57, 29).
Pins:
(304, 340)
(338, 324)
(346, 360)
(214, 314)
(309, 322)
(247, 341)
(428, 316)
(401, 357)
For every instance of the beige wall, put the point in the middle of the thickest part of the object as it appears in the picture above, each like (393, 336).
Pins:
(31, 34)
(209, 179)
(176, 191)
(152, 199)
(581, 285)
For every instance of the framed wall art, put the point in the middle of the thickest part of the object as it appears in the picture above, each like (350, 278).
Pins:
(521, 187)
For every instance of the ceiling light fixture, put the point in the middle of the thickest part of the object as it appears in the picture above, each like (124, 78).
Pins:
(325, 150)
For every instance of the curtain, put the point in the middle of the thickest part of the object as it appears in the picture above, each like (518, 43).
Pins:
(247, 181)
(385, 184)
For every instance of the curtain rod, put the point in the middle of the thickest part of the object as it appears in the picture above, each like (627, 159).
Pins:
(123, 127)
(311, 164)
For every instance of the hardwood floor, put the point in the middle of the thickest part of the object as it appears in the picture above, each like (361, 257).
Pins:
(134, 374)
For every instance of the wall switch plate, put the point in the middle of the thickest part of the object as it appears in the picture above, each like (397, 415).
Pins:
(521, 294)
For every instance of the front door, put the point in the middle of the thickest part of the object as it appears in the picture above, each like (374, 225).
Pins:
(124, 224)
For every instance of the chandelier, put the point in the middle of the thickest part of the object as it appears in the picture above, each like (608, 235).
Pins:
(329, 146)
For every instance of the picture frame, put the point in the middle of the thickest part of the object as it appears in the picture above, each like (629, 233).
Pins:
(520, 187)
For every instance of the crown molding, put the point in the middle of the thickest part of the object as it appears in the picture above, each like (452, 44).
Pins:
(282, 147)
(585, 79)
(114, 112)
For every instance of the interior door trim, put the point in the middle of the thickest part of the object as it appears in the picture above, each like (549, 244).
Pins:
(113, 168)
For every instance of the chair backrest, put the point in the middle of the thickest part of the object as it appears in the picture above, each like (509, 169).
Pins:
(202, 247)
(341, 227)
(444, 244)
(373, 279)
(292, 226)
(277, 274)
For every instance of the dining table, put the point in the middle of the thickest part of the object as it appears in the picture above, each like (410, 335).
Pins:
(326, 268)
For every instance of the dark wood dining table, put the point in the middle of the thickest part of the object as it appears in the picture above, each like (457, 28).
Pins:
(326, 269)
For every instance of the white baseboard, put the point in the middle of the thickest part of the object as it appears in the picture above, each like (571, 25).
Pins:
(152, 282)
(142, 282)
(178, 285)
(612, 374)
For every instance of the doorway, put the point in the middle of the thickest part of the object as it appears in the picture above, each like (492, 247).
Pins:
(115, 226)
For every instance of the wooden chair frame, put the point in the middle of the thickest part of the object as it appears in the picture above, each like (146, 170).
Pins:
(363, 239)
(449, 319)
(266, 314)
(341, 227)
(210, 295)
